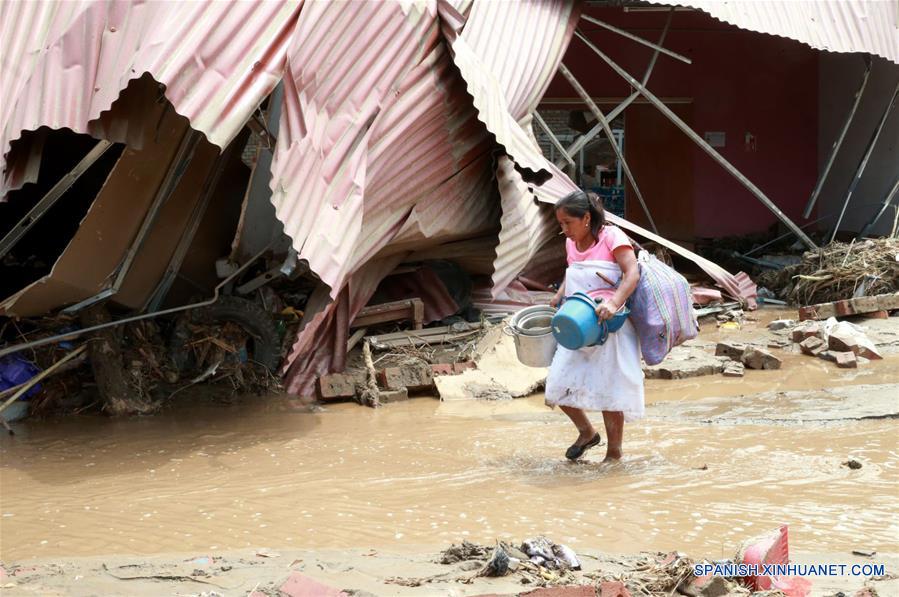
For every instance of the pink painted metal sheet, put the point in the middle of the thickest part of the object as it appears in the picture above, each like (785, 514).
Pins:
(865, 26)
(64, 63)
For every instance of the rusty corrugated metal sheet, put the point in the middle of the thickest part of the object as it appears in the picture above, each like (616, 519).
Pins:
(868, 26)
(508, 54)
(526, 225)
(63, 63)
(521, 44)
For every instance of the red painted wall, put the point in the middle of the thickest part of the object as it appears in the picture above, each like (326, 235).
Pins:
(739, 82)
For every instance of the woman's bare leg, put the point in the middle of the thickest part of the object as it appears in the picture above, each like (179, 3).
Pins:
(614, 422)
(582, 422)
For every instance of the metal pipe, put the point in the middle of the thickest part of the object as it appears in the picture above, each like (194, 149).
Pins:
(637, 39)
(883, 207)
(608, 131)
(552, 137)
(702, 144)
(836, 144)
(77, 333)
(585, 138)
(864, 163)
(52, 196)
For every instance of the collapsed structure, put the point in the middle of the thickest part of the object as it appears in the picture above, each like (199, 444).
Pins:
(332, 141)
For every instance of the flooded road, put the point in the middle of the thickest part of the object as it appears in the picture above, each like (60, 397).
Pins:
(211, 478)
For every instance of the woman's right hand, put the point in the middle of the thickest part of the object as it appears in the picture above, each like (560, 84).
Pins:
(555, 300)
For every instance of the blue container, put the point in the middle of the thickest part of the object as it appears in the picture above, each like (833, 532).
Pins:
(16, 370)
(575, 325)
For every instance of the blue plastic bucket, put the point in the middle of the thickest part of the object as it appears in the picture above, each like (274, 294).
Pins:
(575, 325)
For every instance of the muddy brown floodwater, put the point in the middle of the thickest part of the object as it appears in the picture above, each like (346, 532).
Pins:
(209, 478)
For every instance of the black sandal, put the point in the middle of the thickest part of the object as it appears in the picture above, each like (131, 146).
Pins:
(575, 451)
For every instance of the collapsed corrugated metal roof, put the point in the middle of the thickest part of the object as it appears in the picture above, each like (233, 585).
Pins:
(869, 26)
(384, 152)
(65, 63)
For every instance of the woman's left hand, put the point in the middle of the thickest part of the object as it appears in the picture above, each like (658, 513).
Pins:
(606, 310)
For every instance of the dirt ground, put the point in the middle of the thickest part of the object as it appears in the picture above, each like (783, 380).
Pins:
(211, 499)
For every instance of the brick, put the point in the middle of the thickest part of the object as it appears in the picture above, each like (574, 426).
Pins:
(757, 358)
(613, 588)
(464, 366)
(731, 350)
(865, 304)
(878, 315)
(813, 346)
(822, 311)
(842, 341)
(300, 585)
(843, 308)
(388, 396)
(828, 355)
(566, 591)
(336, 385)
(415, 375)
(442, 369)
(846, 360)
(810, 329)
(888, 302)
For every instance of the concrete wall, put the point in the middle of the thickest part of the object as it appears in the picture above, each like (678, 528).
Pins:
(740, 82)
(839, 79)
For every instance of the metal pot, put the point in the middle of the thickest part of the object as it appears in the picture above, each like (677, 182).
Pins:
(534, 341)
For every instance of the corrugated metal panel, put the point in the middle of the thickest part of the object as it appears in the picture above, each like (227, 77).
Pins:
(66, 62)
(869, 26)
(526, 225)
(521, 44)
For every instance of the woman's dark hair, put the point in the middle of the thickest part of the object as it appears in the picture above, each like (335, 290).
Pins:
(579, 203)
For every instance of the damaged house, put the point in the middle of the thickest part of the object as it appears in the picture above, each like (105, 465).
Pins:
(307, 169)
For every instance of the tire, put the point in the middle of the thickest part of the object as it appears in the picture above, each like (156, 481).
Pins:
(255, 320)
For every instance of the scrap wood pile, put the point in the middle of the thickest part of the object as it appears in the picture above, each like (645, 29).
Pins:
(839, 271)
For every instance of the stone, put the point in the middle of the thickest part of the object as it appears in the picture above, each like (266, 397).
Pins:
(734, 369)
(853, 464)
(414, 374)
(683, 362)
(781, 324)
(878, 315)
(336, 385)
(732, 350)
(846, 360)
(757, 358)
(813, 346)
(388, 396)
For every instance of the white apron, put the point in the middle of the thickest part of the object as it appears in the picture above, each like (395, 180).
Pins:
(606, 377)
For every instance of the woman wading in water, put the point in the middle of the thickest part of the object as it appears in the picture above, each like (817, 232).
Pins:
(608, 377)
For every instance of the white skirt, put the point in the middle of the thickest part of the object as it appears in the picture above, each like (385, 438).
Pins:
(606, 377)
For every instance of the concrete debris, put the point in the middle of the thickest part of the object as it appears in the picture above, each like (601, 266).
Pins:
(757, 358)
(388, 396)
(731, 350)
(844, 336)
(414, 374)
(734, 369)
(721, 587)
(809, 329)
(686, 361)
(847, 360)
